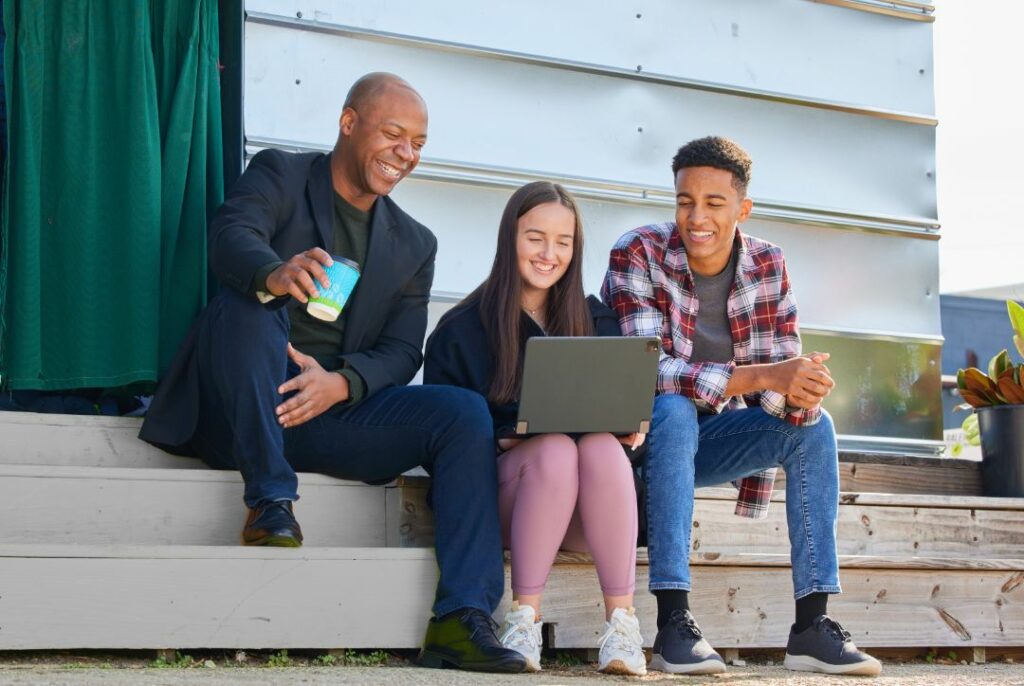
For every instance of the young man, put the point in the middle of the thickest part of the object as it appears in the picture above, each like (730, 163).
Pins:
(735, 400)
(263, 387)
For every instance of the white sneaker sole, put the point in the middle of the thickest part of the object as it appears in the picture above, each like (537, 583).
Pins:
(620, 667)
(806, 663)
(706, 667)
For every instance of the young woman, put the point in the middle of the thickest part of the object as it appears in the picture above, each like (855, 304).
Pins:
(555, 491)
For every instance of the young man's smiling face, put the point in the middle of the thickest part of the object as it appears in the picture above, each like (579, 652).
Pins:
(708, 209)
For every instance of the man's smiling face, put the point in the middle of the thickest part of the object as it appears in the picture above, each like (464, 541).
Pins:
(708, 209)
(383, 140)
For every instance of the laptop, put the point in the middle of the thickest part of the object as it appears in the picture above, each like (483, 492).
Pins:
(588, 384)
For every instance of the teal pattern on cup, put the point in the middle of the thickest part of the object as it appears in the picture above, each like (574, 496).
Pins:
(343, 275)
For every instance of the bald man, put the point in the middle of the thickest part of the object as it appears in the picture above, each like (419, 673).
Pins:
(262, 386)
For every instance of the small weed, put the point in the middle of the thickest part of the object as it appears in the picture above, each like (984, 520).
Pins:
(179, 662)
(280, 659)
(83, 665)
(327, 660)
(567, 659)
(952, 656)
(353, 658)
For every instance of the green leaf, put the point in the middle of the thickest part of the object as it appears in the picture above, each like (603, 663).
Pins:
(1016, 313)
(999, 364)
(1019, 342)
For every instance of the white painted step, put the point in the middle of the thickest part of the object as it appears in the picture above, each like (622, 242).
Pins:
(71, 440)
(98, 506)
(202, 597)
(64, 440)
(130, 597)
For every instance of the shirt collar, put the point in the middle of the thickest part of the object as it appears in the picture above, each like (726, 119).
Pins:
(675, 252)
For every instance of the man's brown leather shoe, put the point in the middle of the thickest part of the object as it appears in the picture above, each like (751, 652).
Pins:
(272, 524)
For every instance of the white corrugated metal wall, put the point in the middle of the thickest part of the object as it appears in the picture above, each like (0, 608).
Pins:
(833, 100)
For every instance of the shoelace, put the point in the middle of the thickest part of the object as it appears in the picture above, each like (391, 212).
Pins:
(523, 635)
(685, 624)
(478, 622)
(834, 629)
(624, 637)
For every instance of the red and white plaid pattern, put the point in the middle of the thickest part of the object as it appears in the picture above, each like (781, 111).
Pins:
(650, 288)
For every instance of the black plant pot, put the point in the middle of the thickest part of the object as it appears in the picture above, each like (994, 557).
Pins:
(1002, 450)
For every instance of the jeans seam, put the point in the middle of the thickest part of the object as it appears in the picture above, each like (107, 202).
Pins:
(669, 586)
(804, 515)
(791, 435)
(817, 588)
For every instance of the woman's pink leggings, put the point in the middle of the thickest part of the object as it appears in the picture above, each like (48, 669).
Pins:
(555, 493)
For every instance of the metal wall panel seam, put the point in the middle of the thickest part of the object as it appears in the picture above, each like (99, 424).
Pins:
(890, 446)
(584, 67)
(872, 334)
(452, 297)
(891, 8)
(611, 191)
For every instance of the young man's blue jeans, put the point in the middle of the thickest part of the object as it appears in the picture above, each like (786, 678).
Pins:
(687, 450)
(241, 359)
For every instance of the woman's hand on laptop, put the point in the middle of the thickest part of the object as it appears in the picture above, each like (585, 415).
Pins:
(508, 443)
(633, 441)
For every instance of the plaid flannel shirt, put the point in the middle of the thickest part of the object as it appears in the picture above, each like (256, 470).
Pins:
(650, 288)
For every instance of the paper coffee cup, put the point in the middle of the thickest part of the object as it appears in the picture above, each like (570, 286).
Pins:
(343, 275)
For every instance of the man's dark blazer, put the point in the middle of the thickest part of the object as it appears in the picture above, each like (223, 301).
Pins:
(281, 206)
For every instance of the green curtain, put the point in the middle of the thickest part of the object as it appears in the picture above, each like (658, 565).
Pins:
(114, 165)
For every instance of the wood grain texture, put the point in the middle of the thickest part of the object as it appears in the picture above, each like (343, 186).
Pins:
(66, 440)
(359, 600)
(903, 525)
(752, 607)
(712, 559)
(136, 597)
(96, 505)
(47, 439)
(936, 476)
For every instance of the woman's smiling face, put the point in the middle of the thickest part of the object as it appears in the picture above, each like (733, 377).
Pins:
(544, 245)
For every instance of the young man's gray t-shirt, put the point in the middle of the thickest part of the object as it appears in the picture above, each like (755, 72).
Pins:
(712, 336)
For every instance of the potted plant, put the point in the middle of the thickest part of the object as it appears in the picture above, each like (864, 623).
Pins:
(998, 401)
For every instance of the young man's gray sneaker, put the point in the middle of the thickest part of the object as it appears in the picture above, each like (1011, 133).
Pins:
(826, 647)
(680, 648)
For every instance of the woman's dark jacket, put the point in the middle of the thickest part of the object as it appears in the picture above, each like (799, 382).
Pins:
(458, 353)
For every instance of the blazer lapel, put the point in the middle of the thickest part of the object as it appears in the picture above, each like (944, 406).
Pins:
(374, 281)
(321, 199)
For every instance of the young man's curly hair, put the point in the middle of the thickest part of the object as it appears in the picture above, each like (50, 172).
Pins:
(717, 152)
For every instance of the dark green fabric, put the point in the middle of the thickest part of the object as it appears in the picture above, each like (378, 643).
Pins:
(114, 165)
(316, 337)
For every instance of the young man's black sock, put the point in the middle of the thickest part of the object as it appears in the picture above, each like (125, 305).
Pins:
(808, 608)
(670, 600)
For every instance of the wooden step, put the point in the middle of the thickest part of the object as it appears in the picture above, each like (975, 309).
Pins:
(746, 601)
(875, 473)
(129, 597)
(83, 441)
(132, 597)
(96, 505)
(906, 525)
(70, 440)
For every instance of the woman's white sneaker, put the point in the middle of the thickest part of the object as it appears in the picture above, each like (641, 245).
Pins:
(521, 632)
(621, 646)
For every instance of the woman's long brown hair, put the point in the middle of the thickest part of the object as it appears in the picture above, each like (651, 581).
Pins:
(500, 295)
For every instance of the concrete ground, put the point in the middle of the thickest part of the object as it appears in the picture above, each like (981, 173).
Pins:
(400, 674)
